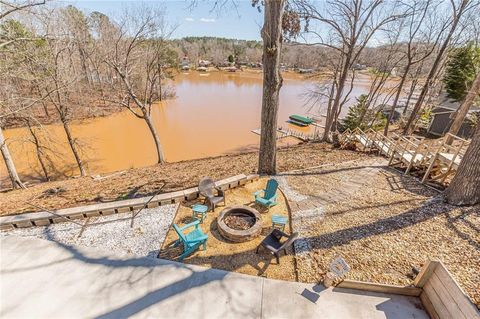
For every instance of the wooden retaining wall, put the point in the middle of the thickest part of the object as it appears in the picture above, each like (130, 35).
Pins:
(441, 295)
(46, 218)
(383, 288)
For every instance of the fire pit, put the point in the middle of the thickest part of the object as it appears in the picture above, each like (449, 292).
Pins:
(239, 223)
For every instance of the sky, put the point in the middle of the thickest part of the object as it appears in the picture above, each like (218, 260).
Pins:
(203, 19)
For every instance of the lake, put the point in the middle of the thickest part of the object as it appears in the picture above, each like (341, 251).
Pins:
(213, 114)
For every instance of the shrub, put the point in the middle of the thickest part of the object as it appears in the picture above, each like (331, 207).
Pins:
(353, 119)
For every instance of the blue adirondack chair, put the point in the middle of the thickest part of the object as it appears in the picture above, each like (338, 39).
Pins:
(192, 240)
(268, 196)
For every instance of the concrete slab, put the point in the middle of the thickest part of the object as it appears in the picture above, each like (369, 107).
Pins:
(42, 279)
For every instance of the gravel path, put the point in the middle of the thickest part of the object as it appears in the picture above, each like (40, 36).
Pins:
(144, 239)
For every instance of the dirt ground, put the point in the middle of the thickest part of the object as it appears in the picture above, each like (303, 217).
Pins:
(169, 177)
(226, 255)
(386, 227)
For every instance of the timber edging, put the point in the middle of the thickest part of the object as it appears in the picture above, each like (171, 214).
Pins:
(383, 288)
(440, 294)
(44, 218)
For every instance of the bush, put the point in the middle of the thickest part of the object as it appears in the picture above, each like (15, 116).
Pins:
(375, 120)
(462, 67)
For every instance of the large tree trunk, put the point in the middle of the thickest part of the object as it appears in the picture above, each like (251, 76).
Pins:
(465, 186)
(12, 171)
(156, 139)
(73, 147)
(463, 110)
(272, 82)
(435, 67)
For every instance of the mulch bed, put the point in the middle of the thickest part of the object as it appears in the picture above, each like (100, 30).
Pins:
(388, 227)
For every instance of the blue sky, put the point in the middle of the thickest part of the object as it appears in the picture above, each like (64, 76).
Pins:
(240, 22)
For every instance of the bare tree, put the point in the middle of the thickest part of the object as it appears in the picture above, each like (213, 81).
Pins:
(350, 26)
(52, 69)
(421, 40)
(458, 10)
(138, 58)
(9, 7)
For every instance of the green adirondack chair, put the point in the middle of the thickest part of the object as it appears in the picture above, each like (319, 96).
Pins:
(192, 240)
(269, 197)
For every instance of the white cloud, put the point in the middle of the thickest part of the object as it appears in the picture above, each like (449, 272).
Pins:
(189, 19)
(207, 20)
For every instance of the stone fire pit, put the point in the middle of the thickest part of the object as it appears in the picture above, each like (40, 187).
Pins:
(239, 223)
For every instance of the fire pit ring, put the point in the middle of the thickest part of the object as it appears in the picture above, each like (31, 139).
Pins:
(249, 223)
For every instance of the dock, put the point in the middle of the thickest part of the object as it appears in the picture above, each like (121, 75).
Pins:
(282, 133)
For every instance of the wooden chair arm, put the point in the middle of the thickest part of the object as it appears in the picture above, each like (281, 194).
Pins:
(194, 223)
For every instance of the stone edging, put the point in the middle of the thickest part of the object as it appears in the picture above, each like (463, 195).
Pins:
(46, 218)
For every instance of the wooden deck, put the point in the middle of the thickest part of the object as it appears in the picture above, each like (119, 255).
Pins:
(435, 159)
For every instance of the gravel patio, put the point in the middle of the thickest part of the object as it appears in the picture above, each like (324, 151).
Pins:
(230, 256)
(381, 222)
(112, 232)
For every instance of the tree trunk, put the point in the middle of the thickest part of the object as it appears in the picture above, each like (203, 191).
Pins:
(464, 188)
(156, 139)
(329, 118)
(272, 82)
(338, 95)
(463, 110)
(413, 86)
(397, 97)
(160, 93)
(38, 150)
(73, 147)
(12, 171)
(433, 71)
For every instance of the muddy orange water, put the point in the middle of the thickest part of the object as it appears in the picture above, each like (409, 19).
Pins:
(213, 114)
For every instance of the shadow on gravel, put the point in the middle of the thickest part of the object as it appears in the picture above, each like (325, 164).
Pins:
(428, 210)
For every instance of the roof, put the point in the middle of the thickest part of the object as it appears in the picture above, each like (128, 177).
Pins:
(448, 103)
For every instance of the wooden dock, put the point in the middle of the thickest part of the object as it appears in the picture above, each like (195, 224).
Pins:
(305, 137)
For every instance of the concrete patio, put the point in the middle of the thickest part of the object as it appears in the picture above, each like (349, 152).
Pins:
(44, 279)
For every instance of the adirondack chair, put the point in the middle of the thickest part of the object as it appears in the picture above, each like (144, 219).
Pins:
(192, 240)
(269, 197)
(273, 243)
(207, 189)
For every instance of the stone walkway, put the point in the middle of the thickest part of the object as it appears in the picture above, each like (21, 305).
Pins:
(308, 210)
(47, 279)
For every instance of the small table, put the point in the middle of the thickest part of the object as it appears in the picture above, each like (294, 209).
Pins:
(199, 212)
(279, 221)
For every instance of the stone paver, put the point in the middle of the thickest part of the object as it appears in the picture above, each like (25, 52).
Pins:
(46, 279)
